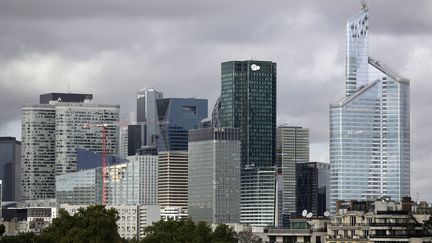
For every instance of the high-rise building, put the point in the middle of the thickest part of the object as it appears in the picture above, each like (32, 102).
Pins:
(313, 187)
(248, 102)
(173, 179)
(128, 183)
(370, 127)
(10, 168)
(70, 133)
(292, 147)
(38, 151)
(176, 117)
(147, 112)
(214, 175)
(51, 134)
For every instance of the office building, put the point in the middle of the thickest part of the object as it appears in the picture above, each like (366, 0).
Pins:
(128, 183)
(70, 133)
(134, 142)
(248, 102)
(214, 175)
(312, 192)
(89, 160)
(147, 112)
(173, 179)
(176, 117)
(38, 151)
(370, 127)
(292, 147)
(51, 134)
(10, 168)
(133, 219)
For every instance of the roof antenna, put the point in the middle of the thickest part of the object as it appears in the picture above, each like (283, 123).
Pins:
(364, 5)
(68, 88)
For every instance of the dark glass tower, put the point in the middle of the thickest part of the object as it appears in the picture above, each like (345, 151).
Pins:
(10, 168)
(248, 102)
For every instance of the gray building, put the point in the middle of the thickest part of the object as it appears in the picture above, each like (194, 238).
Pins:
(10, 168)
(214, 175)
(147, 112)
(292, 147)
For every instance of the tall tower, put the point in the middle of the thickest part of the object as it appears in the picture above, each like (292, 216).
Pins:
(370, 129)
(292, 147)
(248, 102)
(10, 168)
(147, 112)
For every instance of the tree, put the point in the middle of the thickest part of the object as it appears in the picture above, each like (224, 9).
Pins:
(94, 224)
(248, 237)
(2, 229)
(427, 225)
(224, 234)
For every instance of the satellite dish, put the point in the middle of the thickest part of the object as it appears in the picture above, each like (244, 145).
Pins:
(304, 213)
(326, 213)
(309, 215)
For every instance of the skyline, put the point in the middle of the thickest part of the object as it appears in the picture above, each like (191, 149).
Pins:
(316, 32)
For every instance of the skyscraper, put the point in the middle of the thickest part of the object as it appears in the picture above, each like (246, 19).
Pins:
(10, 168)
(248, 102)
(292, 146)
(176, 117)
(369, 128)
(147, 112)
(214, 175)
(51, 134)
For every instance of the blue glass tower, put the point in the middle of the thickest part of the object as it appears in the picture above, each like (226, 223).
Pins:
(369, 128)
(177, 116)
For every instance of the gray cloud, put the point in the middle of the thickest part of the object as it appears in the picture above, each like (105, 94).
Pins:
(112, 49)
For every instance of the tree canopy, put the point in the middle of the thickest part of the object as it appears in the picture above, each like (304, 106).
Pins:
(186, 231)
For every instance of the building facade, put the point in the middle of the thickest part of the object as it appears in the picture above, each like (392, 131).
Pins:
(173, 179)
(248, 102)
(292, 147)
(313, 181)
(10, 168)
(370, 127)
(129, 183)
(214, 175)
(176, 117)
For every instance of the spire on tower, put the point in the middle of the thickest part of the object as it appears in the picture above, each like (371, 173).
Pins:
(364, 5)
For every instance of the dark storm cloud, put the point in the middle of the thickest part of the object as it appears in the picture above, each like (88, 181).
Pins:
(114, 48)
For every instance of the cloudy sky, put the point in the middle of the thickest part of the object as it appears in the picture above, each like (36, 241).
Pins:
(114, 48)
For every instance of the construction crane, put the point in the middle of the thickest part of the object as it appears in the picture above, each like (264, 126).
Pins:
(104, 127)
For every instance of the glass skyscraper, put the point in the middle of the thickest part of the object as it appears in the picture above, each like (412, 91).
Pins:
(248, 102)
(176, 117)
(370, 127)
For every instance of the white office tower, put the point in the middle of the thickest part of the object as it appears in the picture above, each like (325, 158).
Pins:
(147, 113)
(70, 132)
(370, 127)
(51, 133)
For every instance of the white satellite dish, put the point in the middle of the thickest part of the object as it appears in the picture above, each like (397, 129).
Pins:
(309, 215)
(326, 213)
(304, 213)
